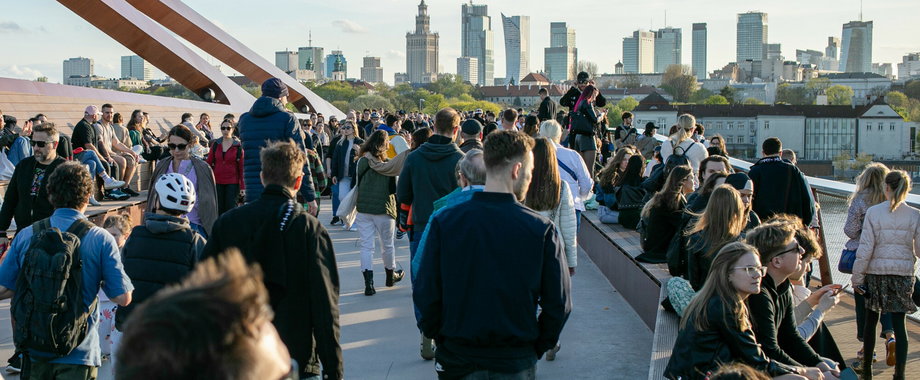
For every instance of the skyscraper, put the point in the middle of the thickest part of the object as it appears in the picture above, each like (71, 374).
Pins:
(774, 51)
(560, 58)
(468, 69)
(699, 50)
(371, 72)
(856, 49)
(312, 58)
(639, 52)
(833, 47)
(668, 43)
(476, 39)
(78, 67)
(751, 36)
(133, 66)
(336, 61)
(286, 60)
(517, 46)
(422, 49)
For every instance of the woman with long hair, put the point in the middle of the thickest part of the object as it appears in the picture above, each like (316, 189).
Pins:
(204, 126)
(204, 213)
(717, 146)
(681, 143)
(143, 139)
(630, 194)
(226, 160)
(698, 203)
(531, 126)
(884, 267)
(716, 327)
(870, 191)
(550, 196)
(662, 214)
(605, 187)
(584, 142)
(721, 223)
(376, 206)
(342, 165)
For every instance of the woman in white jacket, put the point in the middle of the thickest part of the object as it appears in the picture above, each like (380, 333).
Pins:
(884, 267)
(683, 144)
(550, 196)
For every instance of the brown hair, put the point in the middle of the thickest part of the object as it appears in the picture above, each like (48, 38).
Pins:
(49, 128)
(420, 136)
(723, 220)
(282, 163)
(718, 284)
(182, 132)
(531, 128)
(720, 144)
(716, 157)
(771, 238)
(70, 185)
(609, 174)
(738, 371)
(670, 195)
(544, 191)
(446, 120)
(375, 145)
(120, 222)
(503, 148)
(633, 174)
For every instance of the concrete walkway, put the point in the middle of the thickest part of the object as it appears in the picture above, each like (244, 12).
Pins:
(603, 339)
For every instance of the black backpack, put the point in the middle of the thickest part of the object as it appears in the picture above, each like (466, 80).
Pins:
(675, 160)
(48, 303)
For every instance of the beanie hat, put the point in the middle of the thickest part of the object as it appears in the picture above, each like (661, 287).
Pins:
(740, 181)
(471, 127)
(274, 88)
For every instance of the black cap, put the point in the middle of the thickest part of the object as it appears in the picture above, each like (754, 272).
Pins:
(471, 127)
(739, 181)
(650, 125)
(583, 77)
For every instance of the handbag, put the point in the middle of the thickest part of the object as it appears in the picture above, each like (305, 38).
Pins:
(847, 258)
(348, 207)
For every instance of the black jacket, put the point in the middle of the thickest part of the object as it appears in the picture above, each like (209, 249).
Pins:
(661, 225)
(159, 253)
(428, 175)
(471, 144)
(509, 277)
(302, 278)
(697, 353)
(547, 109)
(337, 165)
(19, 203)
(779, 187)
(774, 324)
(570, 97)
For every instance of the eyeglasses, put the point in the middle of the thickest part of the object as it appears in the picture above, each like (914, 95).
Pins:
(172, 146)
(226, 128)
(798, 248)
(754, 271)
(42, 144)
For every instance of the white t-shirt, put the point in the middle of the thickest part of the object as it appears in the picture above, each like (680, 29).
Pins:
(694, 151)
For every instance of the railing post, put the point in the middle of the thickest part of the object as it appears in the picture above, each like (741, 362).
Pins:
(824, 264)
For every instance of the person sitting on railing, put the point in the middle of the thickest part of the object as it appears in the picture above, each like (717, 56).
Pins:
(605, 186)
(772, 309)
(661, 216)
(779, 186)
(709, 166)
(716, 327)
(870, 191)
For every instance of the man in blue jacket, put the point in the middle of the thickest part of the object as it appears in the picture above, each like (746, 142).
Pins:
(268, 120)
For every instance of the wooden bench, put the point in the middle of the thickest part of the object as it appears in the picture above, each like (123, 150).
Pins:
(613, 249)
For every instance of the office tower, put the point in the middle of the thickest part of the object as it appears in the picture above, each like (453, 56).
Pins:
(668, 45)
(336, 61)
(909, 66)
(856, 49)
(560, 58)
(751, 36)
(699, 50)
(468, 69)
(517, 47)
(133, 66)
(286, 60)
(639, 52)
(78, 67)
(371, 72)
(476, 39)
(312, 58)
(833, 47)
(775, 51)
(422, 49)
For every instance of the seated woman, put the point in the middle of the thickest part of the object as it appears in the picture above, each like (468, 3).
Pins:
(605, 188)
(721, 223)
(698, 203)
(630, 194)
(716, 328)
(662, 214)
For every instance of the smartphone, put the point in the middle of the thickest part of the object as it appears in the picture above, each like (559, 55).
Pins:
(842, 288)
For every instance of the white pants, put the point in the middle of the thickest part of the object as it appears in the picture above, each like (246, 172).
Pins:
(371, 226)
(344, 187)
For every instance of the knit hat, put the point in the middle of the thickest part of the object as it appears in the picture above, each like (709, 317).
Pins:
(471, 127)
(740, 181)
(274, 88)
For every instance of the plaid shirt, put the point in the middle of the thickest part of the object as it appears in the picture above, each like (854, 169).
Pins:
(317, 171)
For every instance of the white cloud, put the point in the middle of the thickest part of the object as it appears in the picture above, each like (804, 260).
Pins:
(22, 72)
(349, 26)
(11, 27)
(393, 53)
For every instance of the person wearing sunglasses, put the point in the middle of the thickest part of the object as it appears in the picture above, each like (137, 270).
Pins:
(226, 160)
(772, 310)
(202, 216)
(342, 166)
(716, 326)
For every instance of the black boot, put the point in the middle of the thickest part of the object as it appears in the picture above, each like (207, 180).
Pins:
(866, 369)
(394, 276)
(899, 371)
(369, 283)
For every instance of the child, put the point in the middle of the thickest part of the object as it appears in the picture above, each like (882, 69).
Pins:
(120, 227)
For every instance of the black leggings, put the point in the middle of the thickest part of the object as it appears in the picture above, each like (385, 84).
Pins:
(226, 197)
(900, 336)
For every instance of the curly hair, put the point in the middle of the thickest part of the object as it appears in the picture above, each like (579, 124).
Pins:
(70, 186)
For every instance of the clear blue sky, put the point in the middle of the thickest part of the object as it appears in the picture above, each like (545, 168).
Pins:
(37, 35)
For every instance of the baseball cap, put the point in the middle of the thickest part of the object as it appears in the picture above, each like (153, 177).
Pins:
(471, 127)
(478, 111)
(650, 125)
(91, 110)
(740, 181)
(375, 115)
(583, 77)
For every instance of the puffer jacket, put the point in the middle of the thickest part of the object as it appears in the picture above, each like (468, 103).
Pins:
(566, 224)
(889, 243)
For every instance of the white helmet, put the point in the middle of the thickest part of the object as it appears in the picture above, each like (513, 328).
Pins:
(176, 192)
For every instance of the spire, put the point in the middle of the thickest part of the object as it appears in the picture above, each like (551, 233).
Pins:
(310, 38)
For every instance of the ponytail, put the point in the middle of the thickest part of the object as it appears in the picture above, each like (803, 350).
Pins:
(685, 125)
(899, 183)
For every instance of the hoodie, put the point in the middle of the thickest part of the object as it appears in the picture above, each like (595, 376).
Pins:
(159, 253)
(428, 175)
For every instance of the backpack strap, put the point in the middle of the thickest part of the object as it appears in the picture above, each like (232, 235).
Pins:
(38, 227)
(567, 169)
(80, 227)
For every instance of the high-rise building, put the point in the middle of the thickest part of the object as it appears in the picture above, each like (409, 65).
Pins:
(286, 60)
(133, 66)
(560, 59)
(78, 67)
(668, 43)
(421, 50)
(312, 58)
(517, 46)
(476, 39)
(371, 72)
(909, 66)
(833, 47)
(336, 61)
(639, 52)
(468, 69)
(751, 36)
(856, 49)
(699, 50)
(775, 51)
(883, 69)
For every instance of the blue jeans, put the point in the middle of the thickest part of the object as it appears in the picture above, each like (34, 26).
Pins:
(577, 219)
(414, 237)
(92, 161)
(334, 194)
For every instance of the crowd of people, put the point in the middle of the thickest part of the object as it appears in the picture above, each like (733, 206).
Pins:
(231, 268)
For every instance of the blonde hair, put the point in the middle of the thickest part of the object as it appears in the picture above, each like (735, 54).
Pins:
(899, 183)
(871, 183)
(723, 220)
(551, 130)
(719, 285)
(686, 123)
(120, 222)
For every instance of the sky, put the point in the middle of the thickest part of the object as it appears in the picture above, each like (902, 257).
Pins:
(36, 36)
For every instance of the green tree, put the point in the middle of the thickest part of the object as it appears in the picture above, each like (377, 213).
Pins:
(727, 93)
(614, 114)
(912, 89)
(798, 95)
(716, 99)
(339, 90)
(816, 86)
(752, 101)
(628, 103)
(839, 95)
(896, 99)
(370, 101)
(451, 86)
(700, 95)
(341, 105)
(630, 81)
(678, 82)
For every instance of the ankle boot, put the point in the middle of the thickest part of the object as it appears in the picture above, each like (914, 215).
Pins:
(369, 283)
(394, 276)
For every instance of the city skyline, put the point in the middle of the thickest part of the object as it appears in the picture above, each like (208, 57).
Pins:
(38, 47)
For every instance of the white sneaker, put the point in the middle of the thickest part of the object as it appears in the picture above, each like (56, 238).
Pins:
(94, 202)
(112, 183)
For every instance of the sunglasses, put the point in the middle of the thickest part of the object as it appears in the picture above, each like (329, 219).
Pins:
(176, 146)
(226, 128)
(798, 248)
(42, 144)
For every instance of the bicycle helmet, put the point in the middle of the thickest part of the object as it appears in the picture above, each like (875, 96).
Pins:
(176, 192)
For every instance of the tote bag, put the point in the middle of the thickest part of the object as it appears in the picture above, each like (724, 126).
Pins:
(348, 207)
